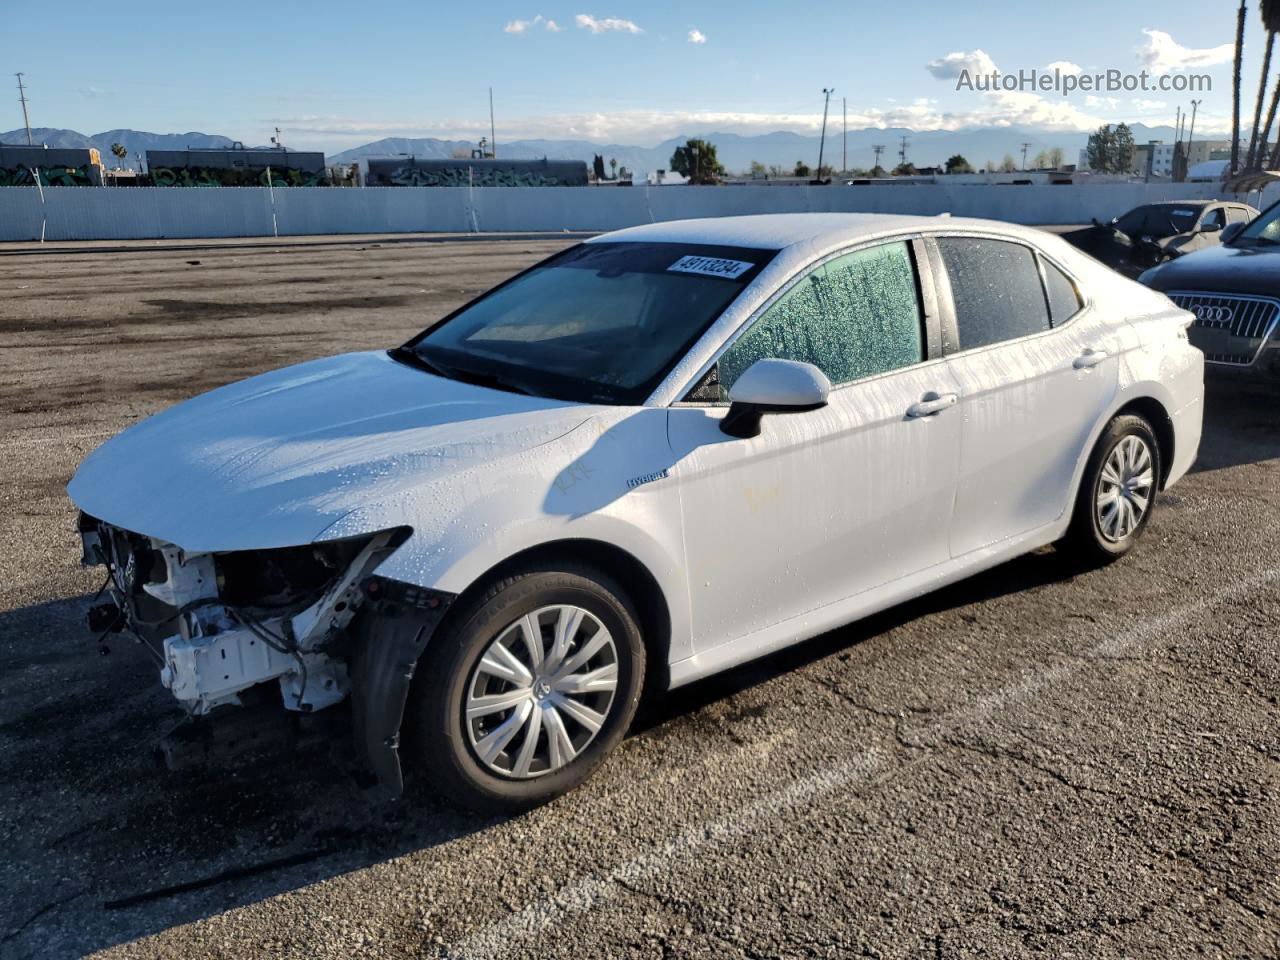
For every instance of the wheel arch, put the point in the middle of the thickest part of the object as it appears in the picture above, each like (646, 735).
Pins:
(642, 587)
(1157, 414)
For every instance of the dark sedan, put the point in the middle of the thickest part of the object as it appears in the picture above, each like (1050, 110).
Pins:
(1156, 232)
(1234, 291)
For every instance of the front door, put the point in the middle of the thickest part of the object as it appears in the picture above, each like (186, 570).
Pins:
(825, 504)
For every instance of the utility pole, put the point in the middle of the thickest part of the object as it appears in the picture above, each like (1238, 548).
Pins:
(1191, 131)
(493, 137)
(844, 150)
(902, 152)
(1024, 155)
(878, 149)
(22, 95)
(826, 92)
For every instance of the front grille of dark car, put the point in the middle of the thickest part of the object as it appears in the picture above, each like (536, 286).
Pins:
(1230, 328)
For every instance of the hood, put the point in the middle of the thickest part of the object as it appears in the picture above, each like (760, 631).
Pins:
(1245, 269)
(277, 459)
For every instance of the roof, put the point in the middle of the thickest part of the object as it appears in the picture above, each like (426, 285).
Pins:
(778, 231)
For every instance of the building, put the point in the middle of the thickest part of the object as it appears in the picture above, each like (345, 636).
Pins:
(236, 167)
(21, 165)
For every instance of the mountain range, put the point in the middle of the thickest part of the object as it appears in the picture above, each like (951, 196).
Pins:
(736, 152)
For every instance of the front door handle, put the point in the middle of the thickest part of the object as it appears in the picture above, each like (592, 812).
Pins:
(931, 404)
(1090, 358)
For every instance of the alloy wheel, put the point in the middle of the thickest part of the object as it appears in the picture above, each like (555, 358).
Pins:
(1125, 488)
(541, 691)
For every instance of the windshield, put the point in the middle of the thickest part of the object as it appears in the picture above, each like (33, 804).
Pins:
(1264, 229)
(598, 323)
(1159, 220)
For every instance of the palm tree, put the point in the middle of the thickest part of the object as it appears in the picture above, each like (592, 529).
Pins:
(1270, 20)
(1235, 90)
(1254, 160)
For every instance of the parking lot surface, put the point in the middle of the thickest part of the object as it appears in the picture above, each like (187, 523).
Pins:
(1040, 760)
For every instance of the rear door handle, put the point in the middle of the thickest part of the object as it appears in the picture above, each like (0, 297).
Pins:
(931, 404)
(1090, 358)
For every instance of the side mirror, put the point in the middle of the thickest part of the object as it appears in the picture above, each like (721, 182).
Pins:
(773, 386)
(1211, 227)
(1231, 231)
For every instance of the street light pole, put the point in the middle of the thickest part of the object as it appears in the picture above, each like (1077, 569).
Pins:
(827, 92)
(22, 95)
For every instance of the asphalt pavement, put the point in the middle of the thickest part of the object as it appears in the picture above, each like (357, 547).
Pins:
(1042, 760)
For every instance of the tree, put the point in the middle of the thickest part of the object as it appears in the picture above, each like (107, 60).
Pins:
(1042, 160)
(802, 169)
(777, 170)
(1110, 149)
(1271, 20)
(597, 167)
(1056, 157)
(1235, 90)
(758, 169)
(958, 164)
(1255, 156)
(1008, 164)
(877, 171)
(697, 161)
(907, 169)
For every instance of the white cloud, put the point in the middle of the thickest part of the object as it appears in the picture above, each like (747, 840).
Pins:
(1101, 103)
(1005, 108)
(697, 36)
(1150, 104)
(953, 64)
(94, 93)
(1065, 67)
(522, 26)
(606, 24)
(1161, 53)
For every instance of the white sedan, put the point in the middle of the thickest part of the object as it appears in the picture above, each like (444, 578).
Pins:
(653, 456)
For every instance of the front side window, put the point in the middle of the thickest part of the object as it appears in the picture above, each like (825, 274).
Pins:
(598, 323)
(853, 317)
(996, 289)
(1217, 217)
(1159, 220)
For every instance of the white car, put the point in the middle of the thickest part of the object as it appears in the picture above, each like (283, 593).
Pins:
(653, 456)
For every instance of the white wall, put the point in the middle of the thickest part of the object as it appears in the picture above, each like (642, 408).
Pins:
(84, 213)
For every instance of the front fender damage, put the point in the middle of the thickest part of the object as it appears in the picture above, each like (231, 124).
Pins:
(398, 621)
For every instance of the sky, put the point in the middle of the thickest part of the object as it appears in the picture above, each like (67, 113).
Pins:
(336, 75)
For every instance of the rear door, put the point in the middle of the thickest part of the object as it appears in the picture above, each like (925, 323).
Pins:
(1035, 374)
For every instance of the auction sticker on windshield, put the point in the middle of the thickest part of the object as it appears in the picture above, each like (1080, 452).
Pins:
(711, 267)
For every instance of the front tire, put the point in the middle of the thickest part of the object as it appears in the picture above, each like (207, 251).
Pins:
(1117, 492)
(528, 687)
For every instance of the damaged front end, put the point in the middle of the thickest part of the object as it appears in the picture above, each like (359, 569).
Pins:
(221, 623)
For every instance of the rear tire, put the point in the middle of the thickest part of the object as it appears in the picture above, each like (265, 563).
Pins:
(499, 726)
(1117, 492)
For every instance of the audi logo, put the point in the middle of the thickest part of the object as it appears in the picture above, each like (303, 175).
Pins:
(1206, 313)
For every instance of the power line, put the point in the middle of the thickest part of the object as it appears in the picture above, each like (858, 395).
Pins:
(1024, 155)
(902, 151)
(826, 92)
(22, 95)
(878, 149)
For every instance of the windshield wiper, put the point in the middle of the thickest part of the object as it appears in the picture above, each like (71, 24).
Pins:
(412, 358)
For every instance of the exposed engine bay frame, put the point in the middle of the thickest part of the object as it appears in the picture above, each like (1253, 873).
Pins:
(212, 637)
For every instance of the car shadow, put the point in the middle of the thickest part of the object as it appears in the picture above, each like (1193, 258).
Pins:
(114, 847)
(1241, 420)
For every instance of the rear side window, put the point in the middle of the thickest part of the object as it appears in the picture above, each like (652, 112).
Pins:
(853, 317)
(996, 288)
(1237, 214)
(1064, 299)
